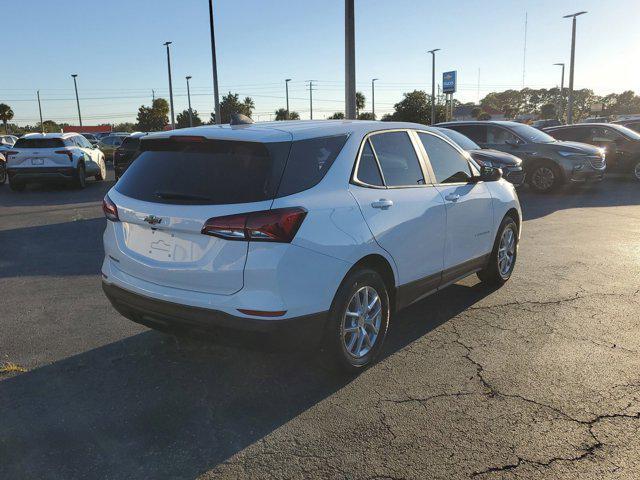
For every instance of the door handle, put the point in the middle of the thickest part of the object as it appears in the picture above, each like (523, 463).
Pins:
(452, 197)
(382, 204)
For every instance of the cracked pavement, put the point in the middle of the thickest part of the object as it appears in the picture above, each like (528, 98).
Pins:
(539, 379)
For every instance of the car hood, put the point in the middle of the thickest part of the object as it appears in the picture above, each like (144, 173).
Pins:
(576, 147)
(495, 156)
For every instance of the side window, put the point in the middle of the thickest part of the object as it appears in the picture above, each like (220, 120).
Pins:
(500, 136)
(398, 159)
(602, 134)
(449, 166)
(368, 171)
(477, 133)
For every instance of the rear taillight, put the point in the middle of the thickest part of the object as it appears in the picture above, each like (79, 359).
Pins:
(279, 225)
(110, 210)
(68, 153)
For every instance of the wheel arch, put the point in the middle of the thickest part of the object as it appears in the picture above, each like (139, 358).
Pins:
(381, 265)
(546, 161)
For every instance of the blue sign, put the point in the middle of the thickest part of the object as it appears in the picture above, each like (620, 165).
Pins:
(449, 82)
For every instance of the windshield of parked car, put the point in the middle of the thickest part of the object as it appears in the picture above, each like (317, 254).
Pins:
(462, 140)
(530, 134)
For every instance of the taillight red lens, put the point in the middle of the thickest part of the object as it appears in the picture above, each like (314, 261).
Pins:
(110, 210)
(279, 225)
(68, 153)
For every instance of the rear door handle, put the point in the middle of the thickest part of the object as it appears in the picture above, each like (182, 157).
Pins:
(382, 204)
(452, 197)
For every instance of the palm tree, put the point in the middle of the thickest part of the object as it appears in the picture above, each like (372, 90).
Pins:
(359, 102)
(6, 114)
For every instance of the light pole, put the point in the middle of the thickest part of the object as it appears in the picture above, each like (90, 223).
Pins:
(561, 89)
(214, 65)
(40, 110)
(311, 99)
(373, 97)
(573, 55)
(349, 60)
(75, 85)
(433, 84)
(173, 118)
(188, 77)
(286, 88)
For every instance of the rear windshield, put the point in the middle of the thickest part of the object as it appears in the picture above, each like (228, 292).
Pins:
(218, 172)
(212, 172)
(39, 143)
(130, 143)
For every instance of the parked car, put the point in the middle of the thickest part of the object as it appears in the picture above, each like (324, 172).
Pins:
(125, 153)
(109, 144)
(621, 144)
(632, 123)
(91, 137)
(548, 163)
(38, 157)
(596, 120)
(315, 229)
(510, 165)
(6, 143)
(548, 122)
(7, 140)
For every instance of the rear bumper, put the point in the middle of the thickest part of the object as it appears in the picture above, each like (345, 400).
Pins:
(26, 174)
(159, 313)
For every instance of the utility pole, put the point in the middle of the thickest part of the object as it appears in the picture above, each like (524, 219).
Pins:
(311, 99)
(286, 88)
(561, 89)
(214, 64)
(478, 86)
(349, 60)
(153, 96)
(75, 84)
(173, 117)
(433, 84)
(373, 98)
(573, 56)
(40, 110)
(524, 52)
(188, 77)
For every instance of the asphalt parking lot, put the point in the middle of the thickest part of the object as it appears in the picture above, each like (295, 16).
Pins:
(537, 380)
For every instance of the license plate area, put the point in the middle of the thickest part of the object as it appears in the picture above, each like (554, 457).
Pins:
(37, 161)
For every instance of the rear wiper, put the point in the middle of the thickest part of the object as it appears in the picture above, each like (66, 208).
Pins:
(181, 196)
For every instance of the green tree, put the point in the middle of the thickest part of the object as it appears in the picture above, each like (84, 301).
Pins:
(182, 120)
(366, 116)
(6, 114)
(475, 111)
(49, 126)
(154, 118)
(360, 102)
(336, 116)
(548, 110)
(231, 104)
(281, 114)
(416, 107)
(484, 116)
(124, 127)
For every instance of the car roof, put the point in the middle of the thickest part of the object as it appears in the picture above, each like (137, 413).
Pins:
(504, 123)
(51, 135)
(578, 125)
(281, 131)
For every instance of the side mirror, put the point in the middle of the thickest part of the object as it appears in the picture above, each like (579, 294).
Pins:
(490, 174)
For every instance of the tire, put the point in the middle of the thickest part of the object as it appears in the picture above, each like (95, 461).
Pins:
(496, 272)
(16, 186)
(344, 349)
(636, 171)
(544, 177)
(80, 181)
(3, 173)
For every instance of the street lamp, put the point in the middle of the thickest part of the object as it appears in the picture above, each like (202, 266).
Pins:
(286, 88)
(373, 98)
(188, 77)
(75, 84)
(561, 89)
(215, 66)
(349, 60)
(173, 118)
(573, 55)
(433, 84)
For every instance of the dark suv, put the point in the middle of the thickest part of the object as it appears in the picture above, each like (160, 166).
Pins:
(548, 163)
(621, 144)
(126, 152)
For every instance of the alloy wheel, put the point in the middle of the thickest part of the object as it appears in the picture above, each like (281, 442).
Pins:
(361, 322)
(543, 178)
(506, 252)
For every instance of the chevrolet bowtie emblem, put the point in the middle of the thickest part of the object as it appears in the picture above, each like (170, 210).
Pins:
(152, 219)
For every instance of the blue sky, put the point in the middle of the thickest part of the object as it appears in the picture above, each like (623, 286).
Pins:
(116, 49)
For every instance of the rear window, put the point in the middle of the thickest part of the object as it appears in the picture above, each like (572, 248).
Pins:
(39, 143)
(130, 143)
(309, 162)
(212, 172)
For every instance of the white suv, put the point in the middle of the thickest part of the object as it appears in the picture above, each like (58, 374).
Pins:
(38, 157)
(323, 228)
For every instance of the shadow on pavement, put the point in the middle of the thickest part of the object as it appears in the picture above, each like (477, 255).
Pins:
(52, 194)
(613, 192)
(154, 406)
